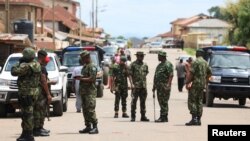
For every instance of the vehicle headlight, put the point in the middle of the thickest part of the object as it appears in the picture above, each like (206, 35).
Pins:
(56, 79)
(215, 79)
(4, 82)
(99, 74)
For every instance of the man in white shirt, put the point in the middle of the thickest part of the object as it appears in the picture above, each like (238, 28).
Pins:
(75, 85)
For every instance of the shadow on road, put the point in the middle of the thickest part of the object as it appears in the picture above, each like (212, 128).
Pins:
(223, 105)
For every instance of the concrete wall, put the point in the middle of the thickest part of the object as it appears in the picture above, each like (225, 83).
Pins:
(71, 7)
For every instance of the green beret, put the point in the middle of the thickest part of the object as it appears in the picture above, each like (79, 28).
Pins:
(139, 53)
(123, 58)
(84, 53)
(162, 53)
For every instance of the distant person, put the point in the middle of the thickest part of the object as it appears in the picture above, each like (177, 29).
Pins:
(111, 68)
(77, 72)
(182, 44)
(196, 82)
(180, 68)
(188, 66)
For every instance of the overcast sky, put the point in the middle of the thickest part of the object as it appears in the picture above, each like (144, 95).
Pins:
(144, 18)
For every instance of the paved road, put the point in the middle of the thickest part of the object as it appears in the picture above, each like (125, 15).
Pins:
(66, 128)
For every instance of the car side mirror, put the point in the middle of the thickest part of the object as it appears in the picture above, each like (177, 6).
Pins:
(63, 69)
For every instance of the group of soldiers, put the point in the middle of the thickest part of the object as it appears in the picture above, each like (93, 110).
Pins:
(34, 94)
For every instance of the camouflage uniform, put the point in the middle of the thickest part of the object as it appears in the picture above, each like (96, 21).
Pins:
(88, 94)
(28, 81)
(139, 71)
(164, 72)
(121, 87)
(199, 70)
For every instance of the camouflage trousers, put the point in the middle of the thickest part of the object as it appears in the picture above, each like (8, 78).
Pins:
(142, 94)
(88, 108)
(195, 105)
(163, 95)
(121, 95)
(40, 113)
(28, 104)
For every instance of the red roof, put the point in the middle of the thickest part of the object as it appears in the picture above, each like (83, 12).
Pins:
(37, 3)
(167, 34)
(187, 21)
(61, 15)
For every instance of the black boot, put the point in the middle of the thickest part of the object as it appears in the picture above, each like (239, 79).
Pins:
(40, 132)
(199, 120)
(45, 130)
(161, 119)
(85, 130)
(26, 136)
(94, 130)
(132, 117)
(125, 115)
(116, 115)
(144, 118)
(194, 121)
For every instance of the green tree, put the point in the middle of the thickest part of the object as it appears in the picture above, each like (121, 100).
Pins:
(215, 12)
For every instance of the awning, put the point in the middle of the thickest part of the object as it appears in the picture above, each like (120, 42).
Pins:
(15, 39)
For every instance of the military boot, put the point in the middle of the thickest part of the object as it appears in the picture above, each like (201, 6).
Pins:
(40, 132)
(44, 130)
(161, 119)
(193, 121)
(116, 115)
(26, 136)
(144, 118)
(85, 130)
(94, 130)
(199, 120)
(132, 117)
(125, 115)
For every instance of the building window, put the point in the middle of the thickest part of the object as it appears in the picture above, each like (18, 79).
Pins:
(66, 8)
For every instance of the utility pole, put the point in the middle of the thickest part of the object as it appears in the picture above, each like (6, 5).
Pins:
(7, 14)
(53, 24)
(96, 14)
(93, 17)
(80, 25)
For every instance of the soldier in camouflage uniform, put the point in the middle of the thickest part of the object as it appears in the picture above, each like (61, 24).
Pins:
(120, 84)
(196, 81)
(139, 72)
(162, 83)
(29, 74)
(44, 98)
(88, 93)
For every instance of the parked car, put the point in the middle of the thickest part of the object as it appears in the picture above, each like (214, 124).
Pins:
(155, 47)
(71, 57)
(169, 44)
(183, 57)
(110, 51)
(9, 90)
(230, 74)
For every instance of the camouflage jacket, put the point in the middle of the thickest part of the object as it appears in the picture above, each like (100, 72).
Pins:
(138, 72)
(29, 75)
(200, 71)
(162, 73)
(120, 75)
(88, 70)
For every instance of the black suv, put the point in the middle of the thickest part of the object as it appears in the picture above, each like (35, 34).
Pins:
(230, 74)
(70, 58)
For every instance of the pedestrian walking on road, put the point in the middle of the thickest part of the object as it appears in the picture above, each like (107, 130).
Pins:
(111, 67)
(120, 86)
(162, 83)
(139, 72)
(196, 81)
(75, 85)
(188, 67)
(180, 68)
(28, 72)
(88, 93)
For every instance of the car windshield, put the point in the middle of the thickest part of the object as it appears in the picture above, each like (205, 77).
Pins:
(110, 50)
(230, 61)
(12, 61)
(71, 60)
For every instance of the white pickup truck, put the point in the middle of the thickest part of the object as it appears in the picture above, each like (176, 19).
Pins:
(9, 89)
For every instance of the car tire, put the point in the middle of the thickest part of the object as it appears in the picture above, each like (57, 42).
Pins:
(65, 104)
(209, 99)
(99, 91)
(105, 75)
(3, 110)
(58, 108)
(242, 101)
